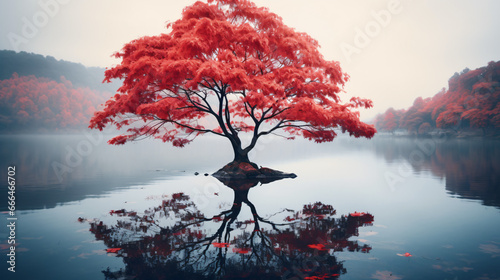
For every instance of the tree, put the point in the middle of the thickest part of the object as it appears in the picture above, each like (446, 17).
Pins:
(424, 128)
(225, 68)
(389, 121)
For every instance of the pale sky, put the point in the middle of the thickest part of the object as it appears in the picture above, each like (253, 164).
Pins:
(393, 50)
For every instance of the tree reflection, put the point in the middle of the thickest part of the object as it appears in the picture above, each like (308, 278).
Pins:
(471, 167)
(175, 240)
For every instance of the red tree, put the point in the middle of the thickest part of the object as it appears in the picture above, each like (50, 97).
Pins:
(424, 128)
(227, 67)
(389, 121)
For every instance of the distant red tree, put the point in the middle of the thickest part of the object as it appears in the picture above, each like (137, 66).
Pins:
(414, 116)
(388, 121)
(28, 102)
(495, 117)
(228, 67)
(424, 128)
(450, 117)
(472, 101)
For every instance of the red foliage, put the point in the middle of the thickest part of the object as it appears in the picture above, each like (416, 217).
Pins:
(228, 67)
(357, 214)
(319, 247)
(267, 248)
(117, 212)
(424, 128)
(113, 250)
(472, 101)
(217, 219)
(220, 245)
(405, 255)
(322, 277)
(28, 102)
(241, 250)
(389, 121)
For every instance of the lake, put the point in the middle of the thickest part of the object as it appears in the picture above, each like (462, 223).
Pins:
(386, 208)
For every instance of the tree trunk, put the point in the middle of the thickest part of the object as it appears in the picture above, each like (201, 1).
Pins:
(240, 155)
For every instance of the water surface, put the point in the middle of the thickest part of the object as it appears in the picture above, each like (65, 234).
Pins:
(355, 209)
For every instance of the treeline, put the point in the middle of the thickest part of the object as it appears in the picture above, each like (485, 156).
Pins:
(41, 94)
(25, 64)
(32, 104)
(469, 106)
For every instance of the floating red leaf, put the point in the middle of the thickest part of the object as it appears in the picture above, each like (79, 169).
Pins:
(220, 245)
(113, 250)
(320, 247)
(241, 250)
(357, 214)
(405, 255)
(121, 211)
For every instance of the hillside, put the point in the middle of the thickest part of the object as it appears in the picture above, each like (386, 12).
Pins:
(470, 107)
(25, 64)
(42, 94)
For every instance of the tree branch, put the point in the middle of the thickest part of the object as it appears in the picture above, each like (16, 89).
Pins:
(228, 114)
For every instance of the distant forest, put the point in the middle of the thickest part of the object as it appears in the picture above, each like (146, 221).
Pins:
(42, 94)
(470, 107)
(25, 64)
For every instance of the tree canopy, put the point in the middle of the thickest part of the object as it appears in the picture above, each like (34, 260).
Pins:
(227, 67)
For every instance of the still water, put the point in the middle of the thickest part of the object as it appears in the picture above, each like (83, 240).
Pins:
(386, 208)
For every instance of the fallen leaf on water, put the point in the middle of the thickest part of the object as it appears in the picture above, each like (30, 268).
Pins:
(405, 255)
(241, 250)
(320, 247)
(220, 245)
(322, 277)
(121, 211)
(113, 250)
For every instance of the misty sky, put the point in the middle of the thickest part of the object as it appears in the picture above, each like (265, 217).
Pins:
(393, 50)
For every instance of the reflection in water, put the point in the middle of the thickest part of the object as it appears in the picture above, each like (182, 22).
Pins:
(471, 168)
(175, 240)
(56, 169)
